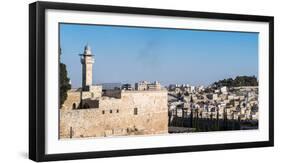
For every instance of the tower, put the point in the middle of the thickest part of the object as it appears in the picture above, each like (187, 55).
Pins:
(87, 60)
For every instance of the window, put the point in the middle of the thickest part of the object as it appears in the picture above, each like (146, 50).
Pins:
(117, 111)
(73, 106)
(110, 111)
(103, 112)
(135, 111)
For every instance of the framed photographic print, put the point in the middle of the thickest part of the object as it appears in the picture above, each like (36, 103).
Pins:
(110, 81)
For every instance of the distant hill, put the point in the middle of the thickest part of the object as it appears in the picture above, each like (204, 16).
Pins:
(237, 82)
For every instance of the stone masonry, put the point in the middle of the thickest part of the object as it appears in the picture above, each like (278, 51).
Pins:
(135, 113)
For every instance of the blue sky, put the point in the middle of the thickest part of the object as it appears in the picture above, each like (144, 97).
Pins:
(170, 56)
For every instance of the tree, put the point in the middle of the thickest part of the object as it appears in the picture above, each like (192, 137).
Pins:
(191, 118)
(64, 82)
(237, 82)
(191, 99)
(225, 119)
(218, 119)
(197, 119)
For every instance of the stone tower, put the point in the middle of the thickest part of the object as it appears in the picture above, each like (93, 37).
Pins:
(87, 60)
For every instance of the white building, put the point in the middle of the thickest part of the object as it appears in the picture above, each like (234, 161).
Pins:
(223, 90)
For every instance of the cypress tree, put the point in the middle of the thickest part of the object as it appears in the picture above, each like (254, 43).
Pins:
(191, 118)
(218, 121)
(64, 81)
(197, 119)
(225, 119)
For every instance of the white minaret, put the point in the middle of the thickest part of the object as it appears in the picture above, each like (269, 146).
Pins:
(87, 60)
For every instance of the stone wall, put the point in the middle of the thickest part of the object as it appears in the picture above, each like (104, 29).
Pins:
(113, 93)
(72, 101)
(96, 91)
(135, 113)
(92, 91)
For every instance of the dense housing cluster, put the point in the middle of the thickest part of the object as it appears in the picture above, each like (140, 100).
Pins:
(213, 107)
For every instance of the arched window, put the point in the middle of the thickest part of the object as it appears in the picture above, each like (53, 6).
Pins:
(73, 106)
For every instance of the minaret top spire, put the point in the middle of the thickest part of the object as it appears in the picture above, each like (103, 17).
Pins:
(87, 50)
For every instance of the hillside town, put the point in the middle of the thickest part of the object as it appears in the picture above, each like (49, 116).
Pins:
(212, 108)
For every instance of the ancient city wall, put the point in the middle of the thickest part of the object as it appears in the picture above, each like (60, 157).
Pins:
(135, 113)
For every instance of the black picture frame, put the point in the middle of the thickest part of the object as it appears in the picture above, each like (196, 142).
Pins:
(37, 80)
